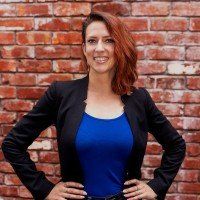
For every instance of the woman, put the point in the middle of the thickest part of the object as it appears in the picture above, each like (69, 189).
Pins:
(102, 123)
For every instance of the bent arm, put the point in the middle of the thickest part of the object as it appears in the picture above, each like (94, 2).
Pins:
(172, 143)
(23, 134)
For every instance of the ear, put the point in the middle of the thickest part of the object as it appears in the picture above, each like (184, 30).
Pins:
(84, 48)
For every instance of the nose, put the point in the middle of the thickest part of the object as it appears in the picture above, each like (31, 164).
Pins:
(99, 46)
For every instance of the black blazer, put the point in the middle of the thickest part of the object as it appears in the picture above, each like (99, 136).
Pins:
(63, 105)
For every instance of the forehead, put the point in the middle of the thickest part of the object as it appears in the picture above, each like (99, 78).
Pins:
(97, 29)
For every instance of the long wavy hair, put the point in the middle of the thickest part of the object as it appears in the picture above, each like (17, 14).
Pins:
(125, 51)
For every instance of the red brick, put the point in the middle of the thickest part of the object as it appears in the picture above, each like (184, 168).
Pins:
(116, 8)
(6, 168)
(34, 9)
(193, 83)
(147, 173)
(151, 160)
(17, 52)
(7, 10)
(191, 163)
(52, 24)
(49, 133)
(33, 155)
(16, 24)
(1, 156)
(20, 115)
(17, 105)
(57, 170)
(192, 136)
(52, 52)
(8, 65)
(170, 83)
(55, 145)
(30, 38)
(189, 188)
(6, 129)
(8, 191)
(192, 110)
(11, 179)
(179, 67)
(48, 157)
(156, 95)
(187, 175)
(75, 51)
(151, 67)
(135, 24)
(194, 24)
(165, 53)
(19, 79)
(171, 109)
(1, 178)
(183, 39)
(182, 97)
(171, 24)
(71, 9)
(7, 92)
(34, 66)
(70, 66)
(191, 123)
(48, 169)
(49, 78)
(149, 38)
(154, 148)
(30, 93)
(54, 179)
(150, 9)
(177, 122)
(141, 53)
(76, 24)
(7, 117)
(67, 38)
(180, 197)
(23, 192)
(147, 82)
(7, 38)
(185, 8)
(193, 53)
(193, 149)
(173, 188)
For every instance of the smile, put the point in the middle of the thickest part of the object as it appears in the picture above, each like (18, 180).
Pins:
(101, 59)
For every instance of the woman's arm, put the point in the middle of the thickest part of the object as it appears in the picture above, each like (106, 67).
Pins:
(23, 134)
(172, 143)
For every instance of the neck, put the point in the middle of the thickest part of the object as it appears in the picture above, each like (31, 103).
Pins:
(100, 83)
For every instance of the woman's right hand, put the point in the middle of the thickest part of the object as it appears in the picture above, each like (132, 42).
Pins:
(66, 190)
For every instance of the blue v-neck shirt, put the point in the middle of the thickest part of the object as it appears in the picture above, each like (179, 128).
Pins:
(104, 146)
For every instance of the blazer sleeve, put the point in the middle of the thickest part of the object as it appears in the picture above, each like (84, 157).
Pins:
(22, 135)
(172, 143)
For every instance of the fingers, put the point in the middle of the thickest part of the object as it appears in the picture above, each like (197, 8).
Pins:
(73, 184)
(70, 192)
(132, 181)
(72, 196)
(75, 191)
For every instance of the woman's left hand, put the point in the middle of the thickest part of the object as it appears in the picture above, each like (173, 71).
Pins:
(140, 190)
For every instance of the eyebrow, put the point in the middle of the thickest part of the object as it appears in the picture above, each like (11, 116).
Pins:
(96, 37)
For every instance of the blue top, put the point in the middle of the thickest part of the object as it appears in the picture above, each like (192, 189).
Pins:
(103, 147)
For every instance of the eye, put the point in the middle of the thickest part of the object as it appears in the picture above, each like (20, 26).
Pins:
(91, 41)
(110, 40)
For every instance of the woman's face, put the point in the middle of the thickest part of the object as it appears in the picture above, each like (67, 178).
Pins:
(99, 49)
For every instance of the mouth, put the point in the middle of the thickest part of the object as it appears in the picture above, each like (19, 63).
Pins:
(101, 59)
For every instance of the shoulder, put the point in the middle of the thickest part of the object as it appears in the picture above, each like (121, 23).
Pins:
(65, 87)
(139, 93)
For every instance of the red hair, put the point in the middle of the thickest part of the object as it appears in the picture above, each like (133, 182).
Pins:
(125, 51)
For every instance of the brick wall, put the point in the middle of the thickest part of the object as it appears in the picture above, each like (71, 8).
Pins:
(40, 42)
